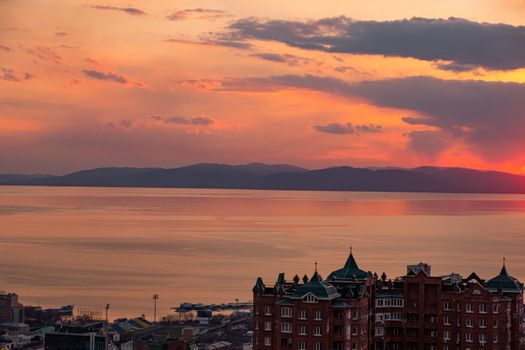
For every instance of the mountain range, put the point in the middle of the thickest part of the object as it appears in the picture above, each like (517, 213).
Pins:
(286, 177)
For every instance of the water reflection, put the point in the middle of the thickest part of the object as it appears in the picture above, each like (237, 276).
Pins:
(90, 246)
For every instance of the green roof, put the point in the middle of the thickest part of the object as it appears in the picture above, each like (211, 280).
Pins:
(350, 271)
(504, 283)
(318, 288)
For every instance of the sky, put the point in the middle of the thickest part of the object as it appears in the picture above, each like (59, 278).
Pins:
(87, 84)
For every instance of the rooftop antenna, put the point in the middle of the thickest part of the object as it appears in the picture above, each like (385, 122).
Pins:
(316, 266)
(350, 249)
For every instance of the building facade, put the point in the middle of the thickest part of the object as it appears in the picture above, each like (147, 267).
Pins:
(11, 311)
(356, 310)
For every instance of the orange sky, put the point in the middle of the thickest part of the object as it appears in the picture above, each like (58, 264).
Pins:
(86, 84)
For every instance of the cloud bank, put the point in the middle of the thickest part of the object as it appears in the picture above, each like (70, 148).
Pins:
(487, 116)
(129, 10)
(348, 128)
(462, 43)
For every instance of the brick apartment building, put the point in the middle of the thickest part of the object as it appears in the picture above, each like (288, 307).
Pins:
(356, 310)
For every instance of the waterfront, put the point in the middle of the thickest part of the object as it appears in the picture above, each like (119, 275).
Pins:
(91, 246)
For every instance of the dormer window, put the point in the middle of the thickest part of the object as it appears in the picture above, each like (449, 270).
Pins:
(310, 298)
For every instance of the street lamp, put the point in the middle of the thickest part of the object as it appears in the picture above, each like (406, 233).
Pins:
(155, 298)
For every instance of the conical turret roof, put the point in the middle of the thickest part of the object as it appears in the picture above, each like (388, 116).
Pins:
(504, 282)
(350, 270)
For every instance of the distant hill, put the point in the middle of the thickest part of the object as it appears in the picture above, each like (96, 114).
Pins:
(6, 178)
(287, 177)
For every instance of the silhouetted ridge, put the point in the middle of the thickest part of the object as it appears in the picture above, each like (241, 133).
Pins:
(287, 177)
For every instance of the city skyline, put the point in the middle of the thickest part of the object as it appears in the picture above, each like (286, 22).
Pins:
(152, 83)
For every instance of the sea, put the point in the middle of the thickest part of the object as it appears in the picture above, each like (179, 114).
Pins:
(94, 246)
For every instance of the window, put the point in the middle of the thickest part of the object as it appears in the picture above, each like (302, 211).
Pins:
(286, 312)
(302, 345)
(302, 329)
(318, 315)
(446, 305)
(495, 323)
(468, 337)
(267, 341)
(379, 317)
(482, 323)
(380, 331)
(354, 346)
(257, 325)
(397, 316)
(495, 308)
(495, 338)
(317, 331)
(355, 314)
(446, 335)
(469, 322)
(354, 330)
(379, 302)
(318, 346)
(446, 320)
(267, 326)
(482, 338)
(468, 308)
(302, 314)
(310, 298)
(267, 310)
(482, 308)
(286, 342)
(286, 327)
(338, 313)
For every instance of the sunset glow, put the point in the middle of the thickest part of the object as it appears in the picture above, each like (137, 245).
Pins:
(88, 84)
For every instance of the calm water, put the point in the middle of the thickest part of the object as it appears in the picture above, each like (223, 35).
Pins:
(92, 246)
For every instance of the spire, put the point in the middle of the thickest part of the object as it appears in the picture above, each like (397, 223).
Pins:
(350, 262)
(503, 269)
(316, 277)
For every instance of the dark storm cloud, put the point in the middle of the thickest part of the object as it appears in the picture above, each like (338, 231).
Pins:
(488, 116)
(461, 42)
(94, 74)
(197, 13)
(129, 10)
(348, 128)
